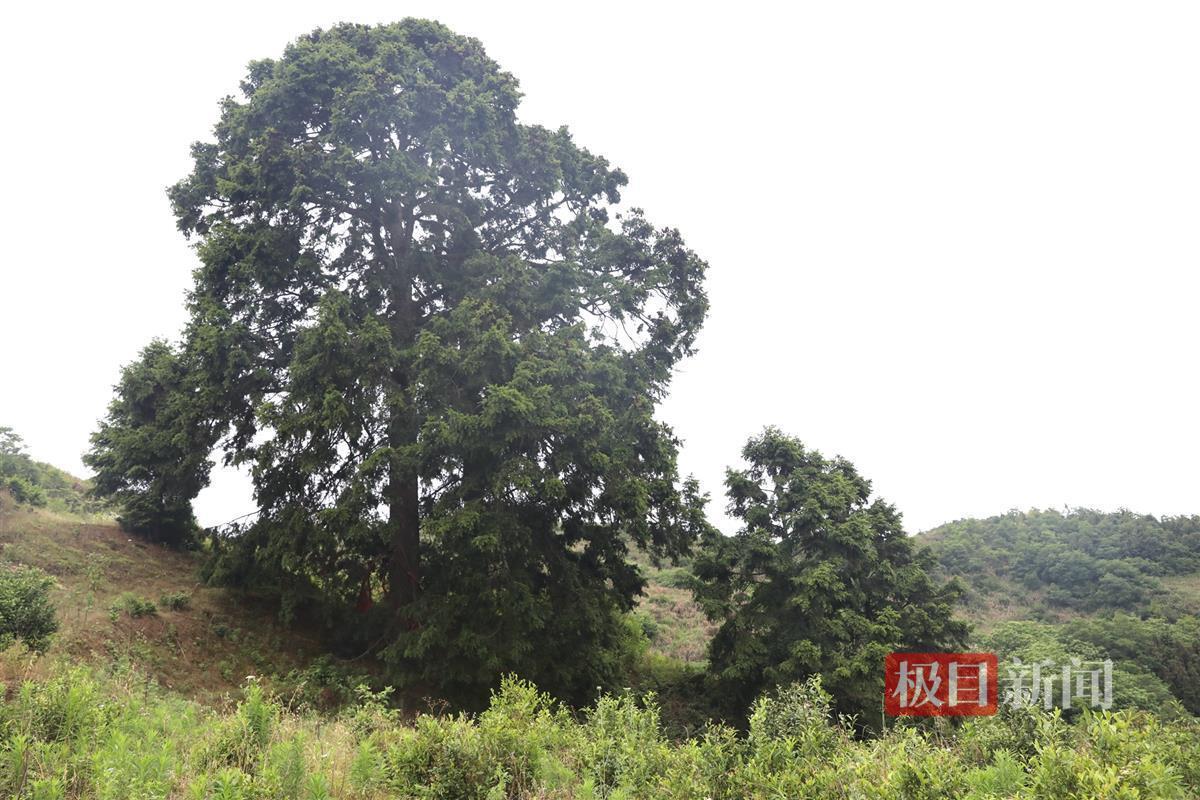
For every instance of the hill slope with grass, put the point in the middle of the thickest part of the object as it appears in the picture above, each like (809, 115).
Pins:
(125, 603)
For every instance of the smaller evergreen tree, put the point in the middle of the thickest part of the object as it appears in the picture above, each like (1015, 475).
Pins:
(820, 580)
(150, 453)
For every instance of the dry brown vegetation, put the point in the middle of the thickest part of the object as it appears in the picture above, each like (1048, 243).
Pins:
(204, 650)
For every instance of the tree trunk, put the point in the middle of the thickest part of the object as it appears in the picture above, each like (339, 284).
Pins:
(404, 524)
(403, 492)
(403, 499)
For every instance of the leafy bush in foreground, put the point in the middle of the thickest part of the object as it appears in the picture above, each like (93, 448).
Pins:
(78, 736)
(25, 609)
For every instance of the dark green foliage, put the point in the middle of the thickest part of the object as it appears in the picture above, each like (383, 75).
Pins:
(26, 612)
(1084, 560)
(820, 580)
(159, 519)
(568, 630)
(323, 684)
(437, 341)
(1168, 650)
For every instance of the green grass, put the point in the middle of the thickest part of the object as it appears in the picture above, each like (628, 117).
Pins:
(675, 626)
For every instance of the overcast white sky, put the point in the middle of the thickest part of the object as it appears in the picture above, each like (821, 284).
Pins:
(954, 242)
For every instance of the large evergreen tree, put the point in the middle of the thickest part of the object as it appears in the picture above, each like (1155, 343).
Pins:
(820, 580)
(438, 344)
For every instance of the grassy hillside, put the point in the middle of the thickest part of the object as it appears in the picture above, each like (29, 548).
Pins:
(675, 626)
(42, 485)
(105, 584)
(104, 579)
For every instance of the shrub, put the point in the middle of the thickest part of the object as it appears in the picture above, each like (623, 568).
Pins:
(80, 736)
(25, 491)
(677, 578)
(67, 707)
(242, 740)
(801, 714)
(284, 769)
(133, 605)
(175, 601)
(25, 609)
(324, 685)
(623, 747)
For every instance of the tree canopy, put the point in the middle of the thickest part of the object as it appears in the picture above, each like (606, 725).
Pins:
(437, 341)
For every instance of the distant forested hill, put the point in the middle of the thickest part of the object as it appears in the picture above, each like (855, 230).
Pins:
(1051, 565)
(1048, 585)
(40, 484)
